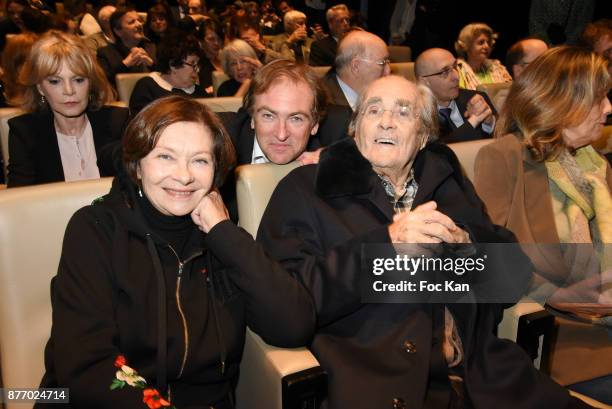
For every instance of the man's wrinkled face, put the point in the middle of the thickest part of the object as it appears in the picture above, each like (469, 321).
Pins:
(386, 131)
(283, 120)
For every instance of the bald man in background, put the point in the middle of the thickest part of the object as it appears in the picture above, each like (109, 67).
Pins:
(463, 114)
(522, 53)
(362, 58)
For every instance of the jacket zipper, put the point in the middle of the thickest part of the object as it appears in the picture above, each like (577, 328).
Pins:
(177, 296)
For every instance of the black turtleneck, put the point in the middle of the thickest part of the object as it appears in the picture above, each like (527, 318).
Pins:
(175, 230)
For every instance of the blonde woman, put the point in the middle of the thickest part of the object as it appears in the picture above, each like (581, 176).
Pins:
(473, 48)
(68, 133)
(239, 63)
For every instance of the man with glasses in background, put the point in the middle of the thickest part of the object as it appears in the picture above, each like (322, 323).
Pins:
(463, 114)
(323, 51)
(362, 58)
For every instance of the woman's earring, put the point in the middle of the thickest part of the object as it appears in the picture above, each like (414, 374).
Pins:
(42, 100)
(139, 191)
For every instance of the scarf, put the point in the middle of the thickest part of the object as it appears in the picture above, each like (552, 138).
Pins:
(582, 206)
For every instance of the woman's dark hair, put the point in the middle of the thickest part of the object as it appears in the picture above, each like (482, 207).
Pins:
(174, 49)
(210, 24)
(144, 131)
(161, 9)
(36, 21)
(24, 3)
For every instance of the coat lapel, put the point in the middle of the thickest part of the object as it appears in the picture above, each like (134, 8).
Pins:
(540, 215)
(429, 173)
(50, 158)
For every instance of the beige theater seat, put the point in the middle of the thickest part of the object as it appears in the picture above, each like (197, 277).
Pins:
(125, 84)
(222, 104)
(218, 78)
(466, 153)
(403, 69)
(400, 53)
(320, 71)
(497, 92)
(32, 224)
(272, 377)
(5, 115)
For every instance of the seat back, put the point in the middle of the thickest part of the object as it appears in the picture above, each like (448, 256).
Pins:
(495, 91)
(466, 153)
(254, 187)
(400, 53)
(403, 69)
(320, 71)
(32, 224)
(218, 78)
(126, 82)
(222, 104)
(5, 115)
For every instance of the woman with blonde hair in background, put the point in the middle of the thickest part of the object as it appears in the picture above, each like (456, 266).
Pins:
(68, 132)
(239, 63)
(473, 48)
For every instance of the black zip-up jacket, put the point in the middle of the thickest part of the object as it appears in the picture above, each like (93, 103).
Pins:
(115, 280)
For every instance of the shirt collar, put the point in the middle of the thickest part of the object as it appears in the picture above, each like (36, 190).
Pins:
(405, 201)
(258, 155)
(349, 93)
(159, 80)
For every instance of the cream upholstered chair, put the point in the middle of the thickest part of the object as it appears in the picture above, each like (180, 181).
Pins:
(5, 115)
(497, 92)
(320, 71)
(466, 153)
(403, 69)
(400, 53)
(218, 78)
(126, 82)
(32, 224)
(222, 104)
(272, 377)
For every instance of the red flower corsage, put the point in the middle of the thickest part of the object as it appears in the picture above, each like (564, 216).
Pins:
(128, 376)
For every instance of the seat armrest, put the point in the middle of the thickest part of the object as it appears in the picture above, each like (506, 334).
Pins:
(531, 327)
(274, 378)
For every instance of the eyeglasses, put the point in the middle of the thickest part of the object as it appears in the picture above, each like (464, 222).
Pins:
(399, 112)
(382, 62)
(193, 65)
(445, 72)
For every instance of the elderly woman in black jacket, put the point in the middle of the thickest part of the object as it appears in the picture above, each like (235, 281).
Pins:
(67, 132)
(143, 310)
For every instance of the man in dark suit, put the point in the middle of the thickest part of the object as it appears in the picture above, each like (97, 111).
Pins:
(388, 186)
(323, 52)
(463, 114)
(284, 118)
(362, 58)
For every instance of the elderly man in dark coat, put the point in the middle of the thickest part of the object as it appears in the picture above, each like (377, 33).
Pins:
(387, 185)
